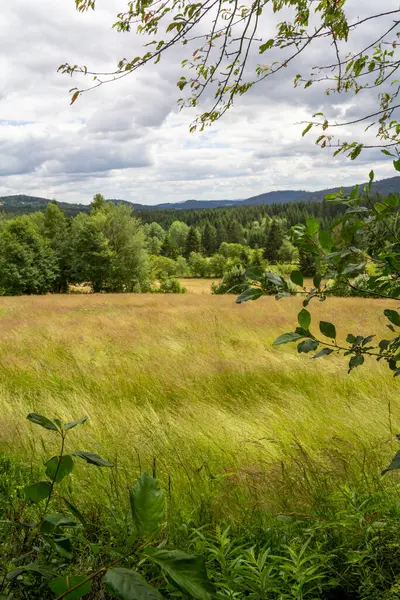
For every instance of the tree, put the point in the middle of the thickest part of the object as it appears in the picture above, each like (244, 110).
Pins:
(234, 232)
(155, 235)
(274, 241)
(223, 75)
(98, 203)
(162, 267)
(209, 240)
(168, 250)
(129, 267)
(28, 265)
(177, 235)
(217, 265)
(288, 253)
(56, 231)
(193, 242)
(198, 264)
(221, 234)
(91, 252)
(307, 263)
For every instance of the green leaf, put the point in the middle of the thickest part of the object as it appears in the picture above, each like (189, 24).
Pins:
(304, 319)
(37, 491)
(52, 521)
(306, 130)
(72, 424)
(355, 361)
(392, 315)
(73, 99)
(126, 584)
(61, 585)
(323, 352)
(41, 420)
(64, 468)
(394, 465)
(327, 329)
(317, 280)
(187, 572)
(93, 459)
(77, 514)
(297, 278)
(396, 164)
(147, 505)
(312, 226)
(285, 338)
(307, 346)
(42, 569)
(62, 546)
(325, 239)
(249, 294)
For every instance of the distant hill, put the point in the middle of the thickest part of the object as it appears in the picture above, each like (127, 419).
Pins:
(27, 204)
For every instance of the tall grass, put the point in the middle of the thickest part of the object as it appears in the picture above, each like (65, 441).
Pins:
(235, 427)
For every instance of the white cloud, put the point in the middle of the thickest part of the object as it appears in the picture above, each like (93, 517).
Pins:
(128, 139)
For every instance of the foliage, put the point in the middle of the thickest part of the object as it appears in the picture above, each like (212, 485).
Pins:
(223, 75)
(234, 282)
(48, 550)
(171, 286)
(28, 265)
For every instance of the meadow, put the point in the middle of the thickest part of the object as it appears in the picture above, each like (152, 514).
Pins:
(234, 424)
(270, 461)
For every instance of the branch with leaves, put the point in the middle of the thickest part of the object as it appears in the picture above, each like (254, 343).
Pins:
(219, 58)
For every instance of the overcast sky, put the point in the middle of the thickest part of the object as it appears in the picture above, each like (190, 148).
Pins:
(128, 140)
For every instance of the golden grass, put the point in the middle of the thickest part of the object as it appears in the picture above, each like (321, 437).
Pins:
(195, 382)
(198, 286)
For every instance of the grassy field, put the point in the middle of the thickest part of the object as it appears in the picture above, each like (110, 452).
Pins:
(198, 286)
(236, 426)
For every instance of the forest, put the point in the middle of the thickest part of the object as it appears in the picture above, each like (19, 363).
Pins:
(115, 249)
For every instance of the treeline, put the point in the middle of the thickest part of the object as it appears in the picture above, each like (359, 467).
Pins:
(109, 249)
(292, 213)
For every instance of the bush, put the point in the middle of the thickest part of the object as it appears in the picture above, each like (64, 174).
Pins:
(234, 282)
(171, 286)
(334, 287)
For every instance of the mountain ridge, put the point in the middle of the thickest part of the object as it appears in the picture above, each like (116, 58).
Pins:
(22, 203)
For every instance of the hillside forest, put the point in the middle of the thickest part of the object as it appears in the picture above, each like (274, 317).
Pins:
(111, 249)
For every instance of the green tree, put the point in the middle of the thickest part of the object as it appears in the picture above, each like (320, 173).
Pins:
(221, 234)
(217, 265)
(234, 232)
(155, 236)
(198, 264)
(193, 242)
(98, 203)
(91, 253)
(288, 253)
(163, 267)
(274, 241)
(129, 267)
(307, 262)
(209, 240)
(168, 250)
(56, 230)
(177, 235)
(28, 265)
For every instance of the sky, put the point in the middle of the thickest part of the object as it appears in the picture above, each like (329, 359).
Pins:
(129, 140)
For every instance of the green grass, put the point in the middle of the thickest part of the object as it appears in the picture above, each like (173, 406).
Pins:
(235, 425)
(285, 451)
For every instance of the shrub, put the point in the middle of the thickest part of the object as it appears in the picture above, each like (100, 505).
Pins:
(234, 282)
(171, 286)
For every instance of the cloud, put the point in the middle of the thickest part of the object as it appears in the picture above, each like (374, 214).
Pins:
(129, 140)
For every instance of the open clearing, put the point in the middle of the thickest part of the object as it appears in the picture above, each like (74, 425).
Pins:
(195, 382)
